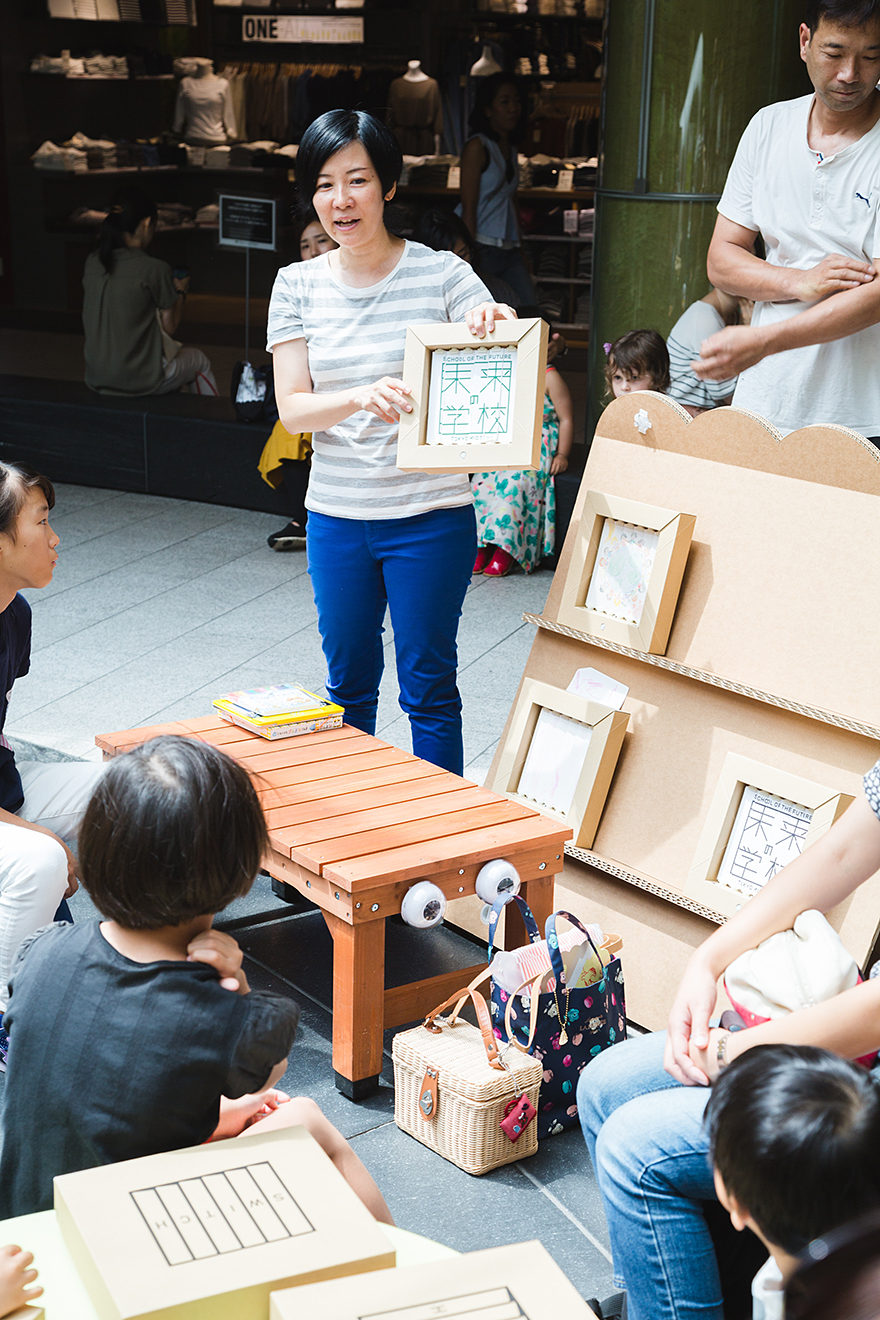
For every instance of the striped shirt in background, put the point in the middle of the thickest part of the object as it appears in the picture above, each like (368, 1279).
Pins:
(694, 325)
(354, 337)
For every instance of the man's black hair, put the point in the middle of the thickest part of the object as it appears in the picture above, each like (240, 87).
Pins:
(795, 1136)
(843, 13)
(333, 131)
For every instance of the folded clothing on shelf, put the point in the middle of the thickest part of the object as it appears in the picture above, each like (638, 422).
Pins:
(208, 215)
(87, 218)
(48, 156)
(171, 215)
(217, 158)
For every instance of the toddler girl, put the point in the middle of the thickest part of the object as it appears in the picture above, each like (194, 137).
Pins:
(140, 1033)
(638, 360)
(516, 511)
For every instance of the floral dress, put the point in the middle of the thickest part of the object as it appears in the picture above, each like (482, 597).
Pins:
(517, 510)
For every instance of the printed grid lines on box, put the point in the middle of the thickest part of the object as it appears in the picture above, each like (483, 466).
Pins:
(488, 1304)
(220, 1212)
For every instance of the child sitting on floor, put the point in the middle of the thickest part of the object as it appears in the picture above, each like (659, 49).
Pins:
(638, 360)
(795, 1141)
(139, 1033)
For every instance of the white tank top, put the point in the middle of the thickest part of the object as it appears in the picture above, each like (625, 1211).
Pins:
(496, 216)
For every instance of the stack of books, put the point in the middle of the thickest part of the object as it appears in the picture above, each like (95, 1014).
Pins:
(282, 711)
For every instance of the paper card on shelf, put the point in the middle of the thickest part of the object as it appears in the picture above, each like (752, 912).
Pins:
(565, 181)
(207, 1232)
(768, 832)
(596, 686)
(555, 760)
(520, 1282)
(624, 560)
(453, 178)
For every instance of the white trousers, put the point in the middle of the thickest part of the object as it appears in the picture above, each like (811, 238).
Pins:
(33, 868)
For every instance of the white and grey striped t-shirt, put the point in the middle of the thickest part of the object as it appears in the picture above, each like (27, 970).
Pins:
(354, 337)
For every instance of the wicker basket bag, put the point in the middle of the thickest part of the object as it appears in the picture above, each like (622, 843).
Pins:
(452, 1087)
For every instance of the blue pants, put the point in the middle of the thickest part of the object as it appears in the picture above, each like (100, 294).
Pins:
(650, 1152)
(419, 568)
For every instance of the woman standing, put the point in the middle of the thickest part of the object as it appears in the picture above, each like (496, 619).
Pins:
(132, 305)
(377, 537)
(489, 180)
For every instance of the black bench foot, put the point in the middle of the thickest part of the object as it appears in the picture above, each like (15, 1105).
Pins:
(358, 1090)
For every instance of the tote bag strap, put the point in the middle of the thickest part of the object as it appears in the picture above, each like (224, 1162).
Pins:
(528, 919)
(479, 1003)
(553, 944)
(534, 987)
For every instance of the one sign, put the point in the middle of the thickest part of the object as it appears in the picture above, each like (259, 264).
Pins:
(326, 31)
(247, 222)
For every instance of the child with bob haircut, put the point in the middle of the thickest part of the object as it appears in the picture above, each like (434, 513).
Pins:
(638, 360)
(795, 1144)
(139, 1033)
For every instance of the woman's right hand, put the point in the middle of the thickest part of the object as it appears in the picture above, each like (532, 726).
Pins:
(386, 399)
(689, 1022)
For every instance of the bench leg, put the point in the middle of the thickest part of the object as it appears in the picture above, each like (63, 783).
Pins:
(539, 896)
(358, 1004)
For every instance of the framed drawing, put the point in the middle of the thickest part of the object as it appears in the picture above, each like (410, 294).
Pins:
(626, 570)
(559, 756)
(477, 403)
(760, 819)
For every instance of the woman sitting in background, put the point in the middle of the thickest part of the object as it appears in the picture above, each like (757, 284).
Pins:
(702, 319)
(132, 306)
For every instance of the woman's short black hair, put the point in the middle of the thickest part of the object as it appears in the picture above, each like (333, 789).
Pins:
(128, 207)
(334, 130)
(442, 231)
(487, 90)
(795, 1136)
(17, 480)
(174, 830)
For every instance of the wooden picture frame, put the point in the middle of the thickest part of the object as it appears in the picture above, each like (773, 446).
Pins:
(737, 774)
(672, 531)
(520, 408)
(607, 726)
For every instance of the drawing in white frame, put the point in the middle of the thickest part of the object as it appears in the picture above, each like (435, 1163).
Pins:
(471, 396)
(625, 572)
(476, 403)
(753, 808)
(559, 755)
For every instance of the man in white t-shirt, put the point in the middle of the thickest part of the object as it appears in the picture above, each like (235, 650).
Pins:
(806, 177)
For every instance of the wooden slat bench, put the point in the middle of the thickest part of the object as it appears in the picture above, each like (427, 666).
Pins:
(353, 823)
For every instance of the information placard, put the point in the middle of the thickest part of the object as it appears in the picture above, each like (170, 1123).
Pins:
(286, 28)
(247, 222)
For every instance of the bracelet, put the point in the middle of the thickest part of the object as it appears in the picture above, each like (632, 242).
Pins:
(721, 1051)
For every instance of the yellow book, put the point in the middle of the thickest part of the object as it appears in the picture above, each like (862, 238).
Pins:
(282, 711)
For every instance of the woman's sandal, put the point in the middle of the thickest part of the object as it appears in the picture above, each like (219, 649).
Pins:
(500, 564)
(484, 554)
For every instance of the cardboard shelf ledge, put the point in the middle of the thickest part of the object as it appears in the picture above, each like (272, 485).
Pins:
(643, 882)
(713, 680)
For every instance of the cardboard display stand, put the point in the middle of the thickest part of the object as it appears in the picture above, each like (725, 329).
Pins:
(474, 409)
(503, 1282)
(207, 1232)
(33, 1312)
(771, 657)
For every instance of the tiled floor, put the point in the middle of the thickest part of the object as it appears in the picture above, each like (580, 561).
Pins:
(159, 605)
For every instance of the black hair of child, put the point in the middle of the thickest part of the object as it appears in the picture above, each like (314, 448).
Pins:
(839, 1275)
(639, 353)
(174, 830)
(335, 130)
(17, 480)
(443, 231)
(843, 13)
(795, 1136)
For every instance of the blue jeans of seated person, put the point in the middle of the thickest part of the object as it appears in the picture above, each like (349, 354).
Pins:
(650, 1152)
(419, 568)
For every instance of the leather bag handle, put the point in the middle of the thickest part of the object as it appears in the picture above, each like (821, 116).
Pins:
(489, 1040)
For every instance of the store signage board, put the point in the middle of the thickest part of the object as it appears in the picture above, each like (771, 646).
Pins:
(286, 28)
(247, 222)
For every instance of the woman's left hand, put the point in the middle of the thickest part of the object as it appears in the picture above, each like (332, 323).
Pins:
(559, 464)
(481, 320)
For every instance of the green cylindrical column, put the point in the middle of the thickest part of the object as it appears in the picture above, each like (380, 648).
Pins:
(682, 80)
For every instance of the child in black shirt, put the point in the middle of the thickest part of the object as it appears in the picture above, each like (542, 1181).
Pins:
(139, 1033)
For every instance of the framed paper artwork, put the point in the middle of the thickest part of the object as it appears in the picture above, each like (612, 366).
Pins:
(625, 573)
(760, 819)
(478, 404)
(559, 756)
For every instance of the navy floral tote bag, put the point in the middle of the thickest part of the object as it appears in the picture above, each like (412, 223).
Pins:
(563, 1026)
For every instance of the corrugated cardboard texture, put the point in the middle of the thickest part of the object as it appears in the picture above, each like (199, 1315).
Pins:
(518, 1280)
(225, 1261)
(777, 597)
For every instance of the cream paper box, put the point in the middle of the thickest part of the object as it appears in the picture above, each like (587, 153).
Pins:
(27, 1313)
(206, 1233)
(503, 1283)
